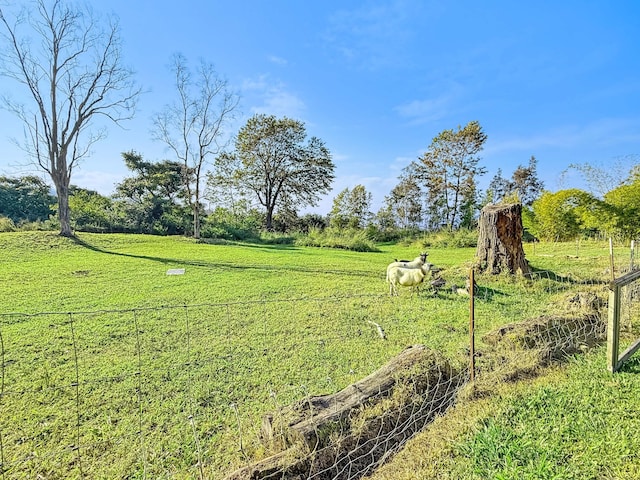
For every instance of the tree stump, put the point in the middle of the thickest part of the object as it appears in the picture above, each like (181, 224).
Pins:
(500, 239)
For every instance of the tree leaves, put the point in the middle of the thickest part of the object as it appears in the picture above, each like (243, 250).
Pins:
(272, 162)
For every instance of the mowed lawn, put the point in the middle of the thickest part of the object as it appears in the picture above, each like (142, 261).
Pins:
(132, 372)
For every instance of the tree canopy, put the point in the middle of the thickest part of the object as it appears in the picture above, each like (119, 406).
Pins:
(448, 173)
(273, 163)
(404, 203)
(25, 199)
(153, 199)
(351, 208)
(523, 187)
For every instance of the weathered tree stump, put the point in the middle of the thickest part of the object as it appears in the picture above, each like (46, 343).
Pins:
(500, 240)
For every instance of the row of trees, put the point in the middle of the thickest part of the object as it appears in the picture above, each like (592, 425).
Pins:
(153, 200)
(567, 214)
(74, 76)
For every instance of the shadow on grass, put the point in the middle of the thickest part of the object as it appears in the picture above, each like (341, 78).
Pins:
(632, 366)
(487, 294)
(538, 274)
(228, 266)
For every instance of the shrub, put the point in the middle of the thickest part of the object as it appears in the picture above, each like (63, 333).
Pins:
(39, 225)
(6, 224)
(461, 238)
(275, 238)
(348, 239)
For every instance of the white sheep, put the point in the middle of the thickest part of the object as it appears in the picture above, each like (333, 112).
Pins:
(415, 263)
(406, 277)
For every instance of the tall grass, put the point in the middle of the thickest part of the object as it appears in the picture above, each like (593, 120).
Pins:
(348, 239)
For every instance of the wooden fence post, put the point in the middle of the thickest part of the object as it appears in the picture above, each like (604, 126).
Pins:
(614, 358)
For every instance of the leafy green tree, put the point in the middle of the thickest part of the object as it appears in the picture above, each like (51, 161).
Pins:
(624, 202)
(72, 75)
(523, 187)
(272, 163)
(240, 223)
(25, 199)
(607, 176)
(562, 215)
(193, 126)
(448, 172)
(385, 219)
(153, 201)
(498, 188)
(526, 183)
(405, 202)
(91, 211)
(351, 208)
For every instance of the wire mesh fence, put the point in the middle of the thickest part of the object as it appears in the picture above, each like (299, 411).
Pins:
(183, 391)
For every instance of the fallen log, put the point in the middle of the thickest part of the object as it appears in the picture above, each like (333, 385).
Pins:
(305, 421)
(324, 433)
(284, 465)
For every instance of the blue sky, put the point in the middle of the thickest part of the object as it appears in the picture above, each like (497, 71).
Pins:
(377, 80)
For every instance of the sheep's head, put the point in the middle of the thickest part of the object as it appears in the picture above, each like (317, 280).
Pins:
(423, 257)
(426, 268)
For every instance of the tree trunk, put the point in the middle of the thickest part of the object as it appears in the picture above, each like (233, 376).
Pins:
(309, 420)
(269, 220)
(196, 222)
(63, 210)
(500, 239)
(315, 438)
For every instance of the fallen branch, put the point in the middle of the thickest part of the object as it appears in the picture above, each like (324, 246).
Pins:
(379, 328)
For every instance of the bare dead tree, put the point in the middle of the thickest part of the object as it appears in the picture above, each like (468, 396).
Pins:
(72, 74)
(193, 125)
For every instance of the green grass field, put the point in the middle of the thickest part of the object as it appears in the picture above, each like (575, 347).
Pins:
(114, 369)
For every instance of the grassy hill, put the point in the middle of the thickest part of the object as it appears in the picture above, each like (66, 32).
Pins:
(113, 368)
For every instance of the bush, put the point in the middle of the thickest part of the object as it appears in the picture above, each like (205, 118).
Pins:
(39, 225)
(275, 238)
(349, 239)
(228, 232)
(6, 224)
(462, 238)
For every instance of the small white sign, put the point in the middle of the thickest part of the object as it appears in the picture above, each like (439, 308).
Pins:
(175, 271)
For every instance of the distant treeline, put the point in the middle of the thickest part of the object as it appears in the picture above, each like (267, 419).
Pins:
(152, 201)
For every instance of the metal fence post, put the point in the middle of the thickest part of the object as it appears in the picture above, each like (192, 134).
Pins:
(472, 346)
(613, 328)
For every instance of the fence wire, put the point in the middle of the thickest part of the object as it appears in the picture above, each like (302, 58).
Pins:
(183, 391)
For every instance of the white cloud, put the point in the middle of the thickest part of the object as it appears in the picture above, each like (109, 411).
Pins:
(374, 36)
(423, 111)
(277, 60)
(272, 97)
